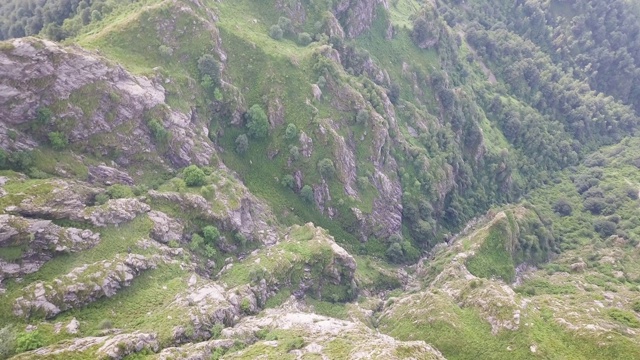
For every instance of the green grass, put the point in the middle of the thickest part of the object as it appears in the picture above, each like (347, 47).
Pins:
(493, 259)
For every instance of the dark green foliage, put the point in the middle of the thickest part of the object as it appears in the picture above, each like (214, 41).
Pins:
(158, 132)
(307, 193)
(363, 116)
(288, 181)
(209, 66)
(294, 152)
(562, 207)
(285, 24)
(275, 32)
(211, 234)
(624, 317)
(43, 116)
(200, 246)
(194, 176)
(119, 191)
(326, 167)
(294, 343)
(605, 227)
(58, 140)
(291, 132)
(304, 39)
(7, 342)
(257, 122)
(28, 341)
(101, 199)
(242, 144)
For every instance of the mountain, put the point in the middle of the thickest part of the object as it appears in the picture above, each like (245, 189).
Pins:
(319, 179)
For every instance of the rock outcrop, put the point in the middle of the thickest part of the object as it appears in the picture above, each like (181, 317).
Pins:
(37, 74)
(83, 285)
(165, 228)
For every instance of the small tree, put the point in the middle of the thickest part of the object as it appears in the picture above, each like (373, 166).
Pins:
(257, 122)
(562, 207)
(275, 32)
(294, 152)
(304, 39)
(194, 176)
(208, 65)
(211, 234)
(291, 132)
(362, 116)
(242, 144)
(307, 193)
(287, 181)
(58, 140)
(326, 167)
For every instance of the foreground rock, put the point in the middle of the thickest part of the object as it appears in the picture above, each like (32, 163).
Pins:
(42, 240)
(81, 286)
(112, 347)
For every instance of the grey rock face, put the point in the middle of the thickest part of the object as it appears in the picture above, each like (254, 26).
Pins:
(108, 176)
(357, 15)
(117, 211)
(248, 215)
(83, 285)
(37, 73)
(165, 228)
(43, 239)
(122, 345)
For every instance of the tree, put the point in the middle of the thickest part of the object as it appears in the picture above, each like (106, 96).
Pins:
(211, 234)
(307, 193)
(304, 39)
(275, 32)
(208, 65)
(326, 167)
(58, 140)
(194, 176)
(287, 181)
(562, 207)
(294, 152)
(257, 122)
(605, 227)
(291, 132)
(362, 116)
(242, 144)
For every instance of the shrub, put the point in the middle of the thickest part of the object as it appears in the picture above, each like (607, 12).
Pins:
(105, 324)
(291, 132)
(394, 253)
(284, 23)
(326, 167)
(562, 207)
(605, 227)
(101, 199)
(118, 191)
(276, 32)
(193, 176)
(165, 51)
(216, 330)
(158, 132)
(594, 205)
(294, 152)
(7, 342)
(245, 306)
(43, 116)
(58, 140)
(211, 233)
(287, 181)
(294, 344)
(242, 144)
(363, 182)
(257, 122)
(307, 193)
(636, 306)
(304, 39)
(27, 341)
(208, 65)
(362, 116)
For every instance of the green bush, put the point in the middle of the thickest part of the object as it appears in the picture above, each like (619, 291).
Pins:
(562, 207)
(7, 342)
(211, 234)
(294, 344)
(304, 39)
(624, 317)
(291, 132)
(27, 341)
(605, 228)
(58, 140)
(326, 167)
(242, 144)
(209, 66)
(307, 193)
(158, 132)
(287, 181)
(118, 191)
(43, 116)
(276, 32)
(245, 306)
(194, 176)
(105, 324)
(257, 122)
(362, 116)
(101, 199)
(294, 152)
